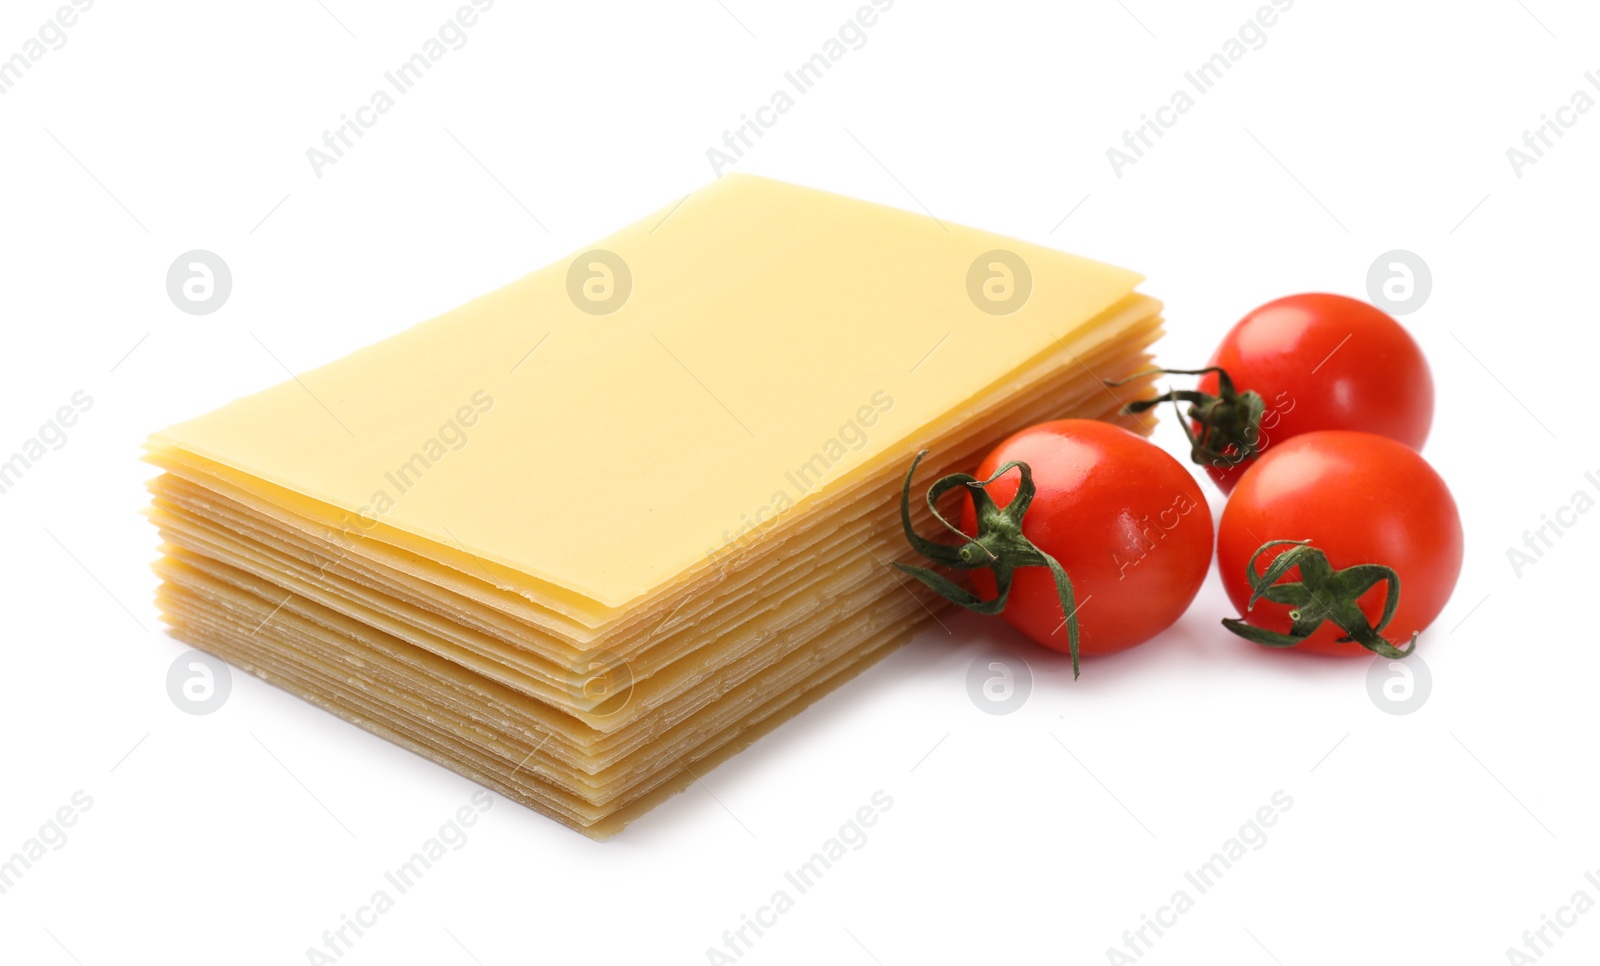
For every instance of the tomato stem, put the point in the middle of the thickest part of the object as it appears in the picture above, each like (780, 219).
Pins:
(998, 546)
(1322, 594)
(1230, 421)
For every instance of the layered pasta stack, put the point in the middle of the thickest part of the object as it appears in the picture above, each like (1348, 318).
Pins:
(588, 535)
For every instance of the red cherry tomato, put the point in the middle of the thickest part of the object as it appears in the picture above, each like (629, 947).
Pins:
(1323, 362)
(1360, 499)
(1125, 520)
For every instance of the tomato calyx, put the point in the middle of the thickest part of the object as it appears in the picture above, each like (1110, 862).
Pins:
(1230, 421)
(1322, 594)
(999, 545)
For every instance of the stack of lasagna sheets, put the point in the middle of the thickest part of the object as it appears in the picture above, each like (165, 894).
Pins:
(590, 534)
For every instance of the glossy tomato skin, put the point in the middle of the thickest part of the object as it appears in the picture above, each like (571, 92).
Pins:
(1125, 520)
(1359, 498)
(1325, 362)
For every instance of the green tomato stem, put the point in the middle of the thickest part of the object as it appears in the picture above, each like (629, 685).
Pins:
(1322, 594)
(1230, 421)
(999, 545)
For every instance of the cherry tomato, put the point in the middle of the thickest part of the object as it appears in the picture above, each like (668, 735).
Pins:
(1322, 362)
(1125, 520)
(1360, 500)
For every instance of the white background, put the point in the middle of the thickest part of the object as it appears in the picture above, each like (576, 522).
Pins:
(1361, 127)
